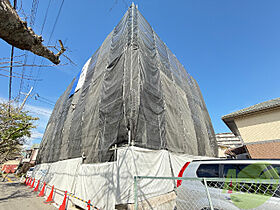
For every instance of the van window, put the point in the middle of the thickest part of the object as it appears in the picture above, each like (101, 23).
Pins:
(208, 170)
(274, 169)
(252, 171)
(232, 170)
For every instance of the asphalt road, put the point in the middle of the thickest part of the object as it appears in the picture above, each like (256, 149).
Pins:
(17, 196)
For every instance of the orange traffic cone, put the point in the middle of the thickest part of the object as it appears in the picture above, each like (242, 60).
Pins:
(42, 193)
(32, 185)
(63, 205)
(88, 204)
(37, 186)
(50, 198)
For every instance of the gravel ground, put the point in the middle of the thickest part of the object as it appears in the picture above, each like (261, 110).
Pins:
(16, 196)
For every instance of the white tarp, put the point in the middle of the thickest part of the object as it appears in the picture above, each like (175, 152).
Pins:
(134, 161)
(108, 184)
(96, 182)
(62, 174)
(40, 171)
(82, 76)
(179, 160)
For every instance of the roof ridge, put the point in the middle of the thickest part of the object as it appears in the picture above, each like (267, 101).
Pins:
(255, 108)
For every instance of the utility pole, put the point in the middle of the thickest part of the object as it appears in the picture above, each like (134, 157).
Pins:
(11, 69)
(27, 95)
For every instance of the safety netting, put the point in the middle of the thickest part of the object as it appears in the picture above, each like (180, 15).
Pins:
(132, 91)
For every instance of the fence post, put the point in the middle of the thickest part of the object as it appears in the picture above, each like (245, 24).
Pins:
(135, 193)
(208, 194)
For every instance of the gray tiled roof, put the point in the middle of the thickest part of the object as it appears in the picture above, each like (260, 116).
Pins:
(255, 108)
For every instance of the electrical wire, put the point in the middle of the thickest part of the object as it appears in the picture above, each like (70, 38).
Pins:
(34, 9)
(54, 26)
(37, 97)
(56, 20)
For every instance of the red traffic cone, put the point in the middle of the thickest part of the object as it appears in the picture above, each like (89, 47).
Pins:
(32, 185)
(230, 185)
(42, 192)
(88, 205)
(37, 186)
(63, 205)
(29, 184)
(50, 198)
(25, 180)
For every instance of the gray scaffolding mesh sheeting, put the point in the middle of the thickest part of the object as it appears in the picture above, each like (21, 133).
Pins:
(132, 84)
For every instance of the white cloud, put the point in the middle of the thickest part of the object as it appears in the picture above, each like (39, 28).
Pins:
(35, 134)
(35, 109)
(44, 115)
(39, 110)
(36, 137)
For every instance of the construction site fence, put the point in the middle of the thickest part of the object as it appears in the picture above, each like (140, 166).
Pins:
(205, 193)
(28, 181)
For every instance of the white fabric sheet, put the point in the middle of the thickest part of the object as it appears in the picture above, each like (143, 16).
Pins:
(108, 184)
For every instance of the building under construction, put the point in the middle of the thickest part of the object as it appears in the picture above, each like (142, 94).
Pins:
(132, 110)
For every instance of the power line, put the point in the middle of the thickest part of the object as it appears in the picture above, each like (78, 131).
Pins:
(57, 17)
(33, 12)
(34, 9)
(16, 56)
(37, 97)
(45, 17)
(54, 26)
(3, 75)
(42, 28)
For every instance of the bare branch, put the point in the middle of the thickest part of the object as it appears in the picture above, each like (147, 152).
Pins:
(62, 50)
(15, 32)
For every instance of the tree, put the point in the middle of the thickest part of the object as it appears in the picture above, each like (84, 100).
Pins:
(15, 126)
(15, 31)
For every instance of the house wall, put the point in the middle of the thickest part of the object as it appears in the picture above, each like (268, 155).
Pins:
(260, 126)
(221, 152)
(226, 141)
(33, 156)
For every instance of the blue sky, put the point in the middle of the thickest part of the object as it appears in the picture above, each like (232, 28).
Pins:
(231, 47)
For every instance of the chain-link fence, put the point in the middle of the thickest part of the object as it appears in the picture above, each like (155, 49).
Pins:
(162, 193)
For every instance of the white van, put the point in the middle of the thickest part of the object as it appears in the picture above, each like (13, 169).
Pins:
(262, 191)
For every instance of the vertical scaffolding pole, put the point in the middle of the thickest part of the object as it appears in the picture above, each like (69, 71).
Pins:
(135, 193)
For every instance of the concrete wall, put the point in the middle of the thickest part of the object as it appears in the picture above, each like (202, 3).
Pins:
(260, 126)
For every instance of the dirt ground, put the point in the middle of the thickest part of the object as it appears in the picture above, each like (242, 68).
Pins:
(16, 196)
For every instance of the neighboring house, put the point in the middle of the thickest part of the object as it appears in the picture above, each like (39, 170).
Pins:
(227, 141)
(258, 127)
(10, 166)
(29, 158)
